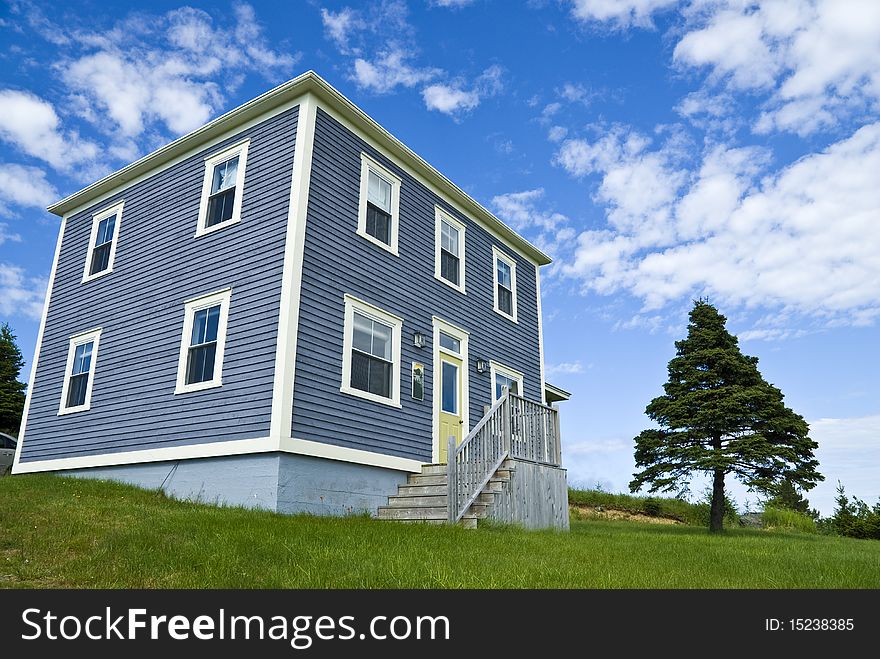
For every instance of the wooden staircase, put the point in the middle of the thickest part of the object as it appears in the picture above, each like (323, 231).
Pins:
(424, 497)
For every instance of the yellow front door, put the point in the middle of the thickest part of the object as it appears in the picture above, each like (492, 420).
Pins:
(450, 403)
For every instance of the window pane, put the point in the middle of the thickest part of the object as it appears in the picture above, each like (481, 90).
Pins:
(449, 238)
(378, 224)
(449, 386)
(213, 323)
(379, 192)
(105, 230)
(504, 274)
(450, 343)
(82, 358)
(504, 381)
(200, 364)
(505, 300)
(100, 259)
(362, 338)
(449, 267)
(381, 341)
(370, 374)
(220, 207)
(205, 325)
(76, 390)
(224, 175)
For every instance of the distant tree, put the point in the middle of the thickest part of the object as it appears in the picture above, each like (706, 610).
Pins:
(719, 416)
(855, 518)
(787, 495)
(11, 390)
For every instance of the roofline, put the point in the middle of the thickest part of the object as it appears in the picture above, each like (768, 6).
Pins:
(557, 391)
(302, 84)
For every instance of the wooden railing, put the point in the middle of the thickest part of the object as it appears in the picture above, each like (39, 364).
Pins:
(512, 427)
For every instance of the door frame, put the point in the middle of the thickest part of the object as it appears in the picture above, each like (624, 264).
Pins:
(463, 336)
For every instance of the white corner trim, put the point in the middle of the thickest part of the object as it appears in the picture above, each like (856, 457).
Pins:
(97, 218)
(464, 337)
(191, 306)
(241, 150)
(93, 337)
(367, 164)
(441, 216)
(495, 368)
(221, 449)
(540, 333)
(353, 304)
(39, 346)
(498, 255)
(345, 454)
(280, 424)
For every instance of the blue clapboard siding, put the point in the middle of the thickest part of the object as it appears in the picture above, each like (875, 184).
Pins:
(140, 306)
(338, 261)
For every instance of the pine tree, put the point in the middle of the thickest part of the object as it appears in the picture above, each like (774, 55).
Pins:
(11, 390)
(719, 416)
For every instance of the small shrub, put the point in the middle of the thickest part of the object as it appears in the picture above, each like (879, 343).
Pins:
(780, 518)
(652, 507)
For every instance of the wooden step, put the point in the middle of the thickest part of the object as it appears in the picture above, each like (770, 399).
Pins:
(421, 490)
(433, 470)
(432, 501)
(419, 479)
(478, 510)
(465, 522)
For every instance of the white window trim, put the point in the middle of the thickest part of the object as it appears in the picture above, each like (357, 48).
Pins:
(353, 304)
(498, 255)
(76, 340)
(97, 218)
(495, 368)
(367, 163)
(222, 298)
(240, 150)
(441, 216)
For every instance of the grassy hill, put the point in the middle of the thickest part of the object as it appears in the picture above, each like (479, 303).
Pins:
(62, 532)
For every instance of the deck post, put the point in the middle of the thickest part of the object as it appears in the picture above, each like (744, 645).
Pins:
(451, 480)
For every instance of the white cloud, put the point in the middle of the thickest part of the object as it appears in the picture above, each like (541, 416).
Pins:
(341, 25)
(449, 100)
(520, 211)
(388, 71)
(771, 334)
(6, 234)
(21, 295)
(803, 239)
(557, 133)
(454, 4)
(25, 186)
(171, 69)
(453, 99)
(623, 13)
(817, 60)
(567, 368)
(32, 125)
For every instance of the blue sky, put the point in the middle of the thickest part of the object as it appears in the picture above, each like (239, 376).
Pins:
(659, 150)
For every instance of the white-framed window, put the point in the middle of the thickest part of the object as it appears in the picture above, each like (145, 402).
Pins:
(502, 376)
(504, 283)
(203, 342)
(222, 189)
(448, 250)
(79, 372)
(378, 210)
(102, 242)
(371, 353)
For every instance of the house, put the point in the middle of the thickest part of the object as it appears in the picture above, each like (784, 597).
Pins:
(289, 309)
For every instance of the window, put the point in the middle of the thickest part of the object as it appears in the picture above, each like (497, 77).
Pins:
(102, 242)
(371, 353)
(449, 250)
(503, 376)
(450, 343)
(449, 393)
(222, 189)
(203, 342)
(79, 372)
(379, 203)
(505, 284)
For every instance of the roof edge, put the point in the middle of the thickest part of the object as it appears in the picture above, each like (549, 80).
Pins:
(303, 83)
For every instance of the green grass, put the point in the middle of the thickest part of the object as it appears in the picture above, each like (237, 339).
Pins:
(682, 511)
(61, 532)
(779, 518)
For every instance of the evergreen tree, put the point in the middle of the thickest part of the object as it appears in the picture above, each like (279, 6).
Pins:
(11, 390)
(719, 416)
(787, 495)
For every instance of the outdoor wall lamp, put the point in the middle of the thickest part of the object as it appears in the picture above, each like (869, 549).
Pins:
(418, 339)
(482, 365)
